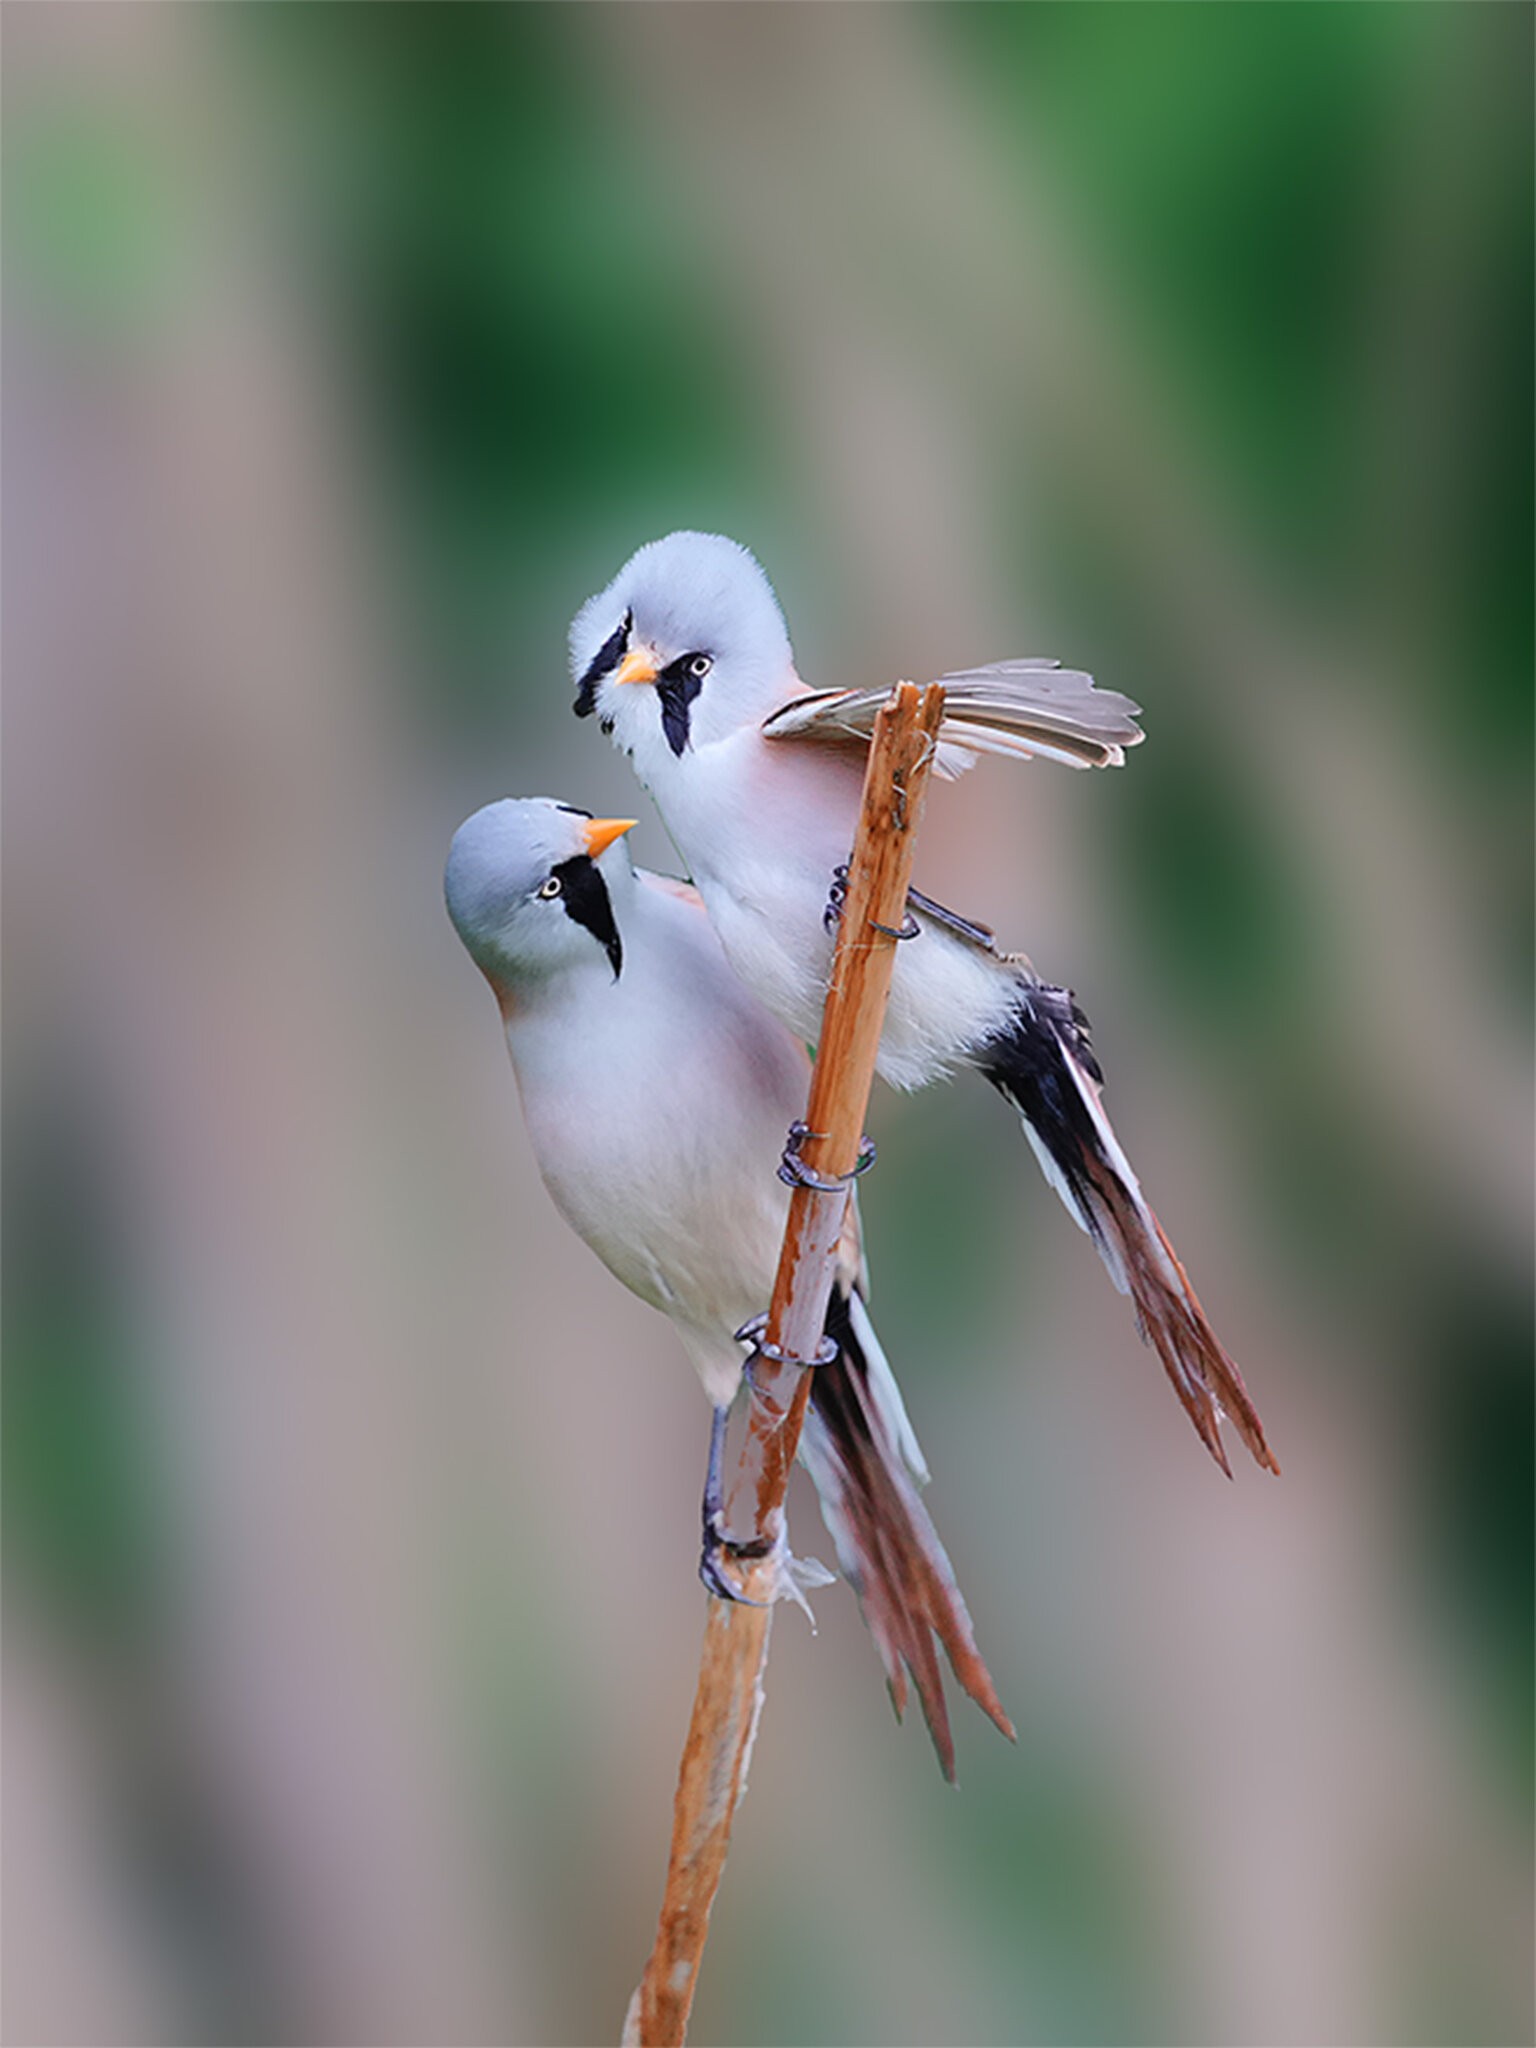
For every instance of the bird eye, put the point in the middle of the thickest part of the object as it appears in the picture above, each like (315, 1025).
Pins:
(699, 666)
(550, 888)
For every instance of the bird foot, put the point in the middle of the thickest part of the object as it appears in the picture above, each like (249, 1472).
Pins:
(718, 1550)
(794, 1172)
(791, 1577)
(752, 1333)
(837, 896)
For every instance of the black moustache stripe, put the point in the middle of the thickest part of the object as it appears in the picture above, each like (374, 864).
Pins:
(606, 658)
(587, 903)
(677, 689)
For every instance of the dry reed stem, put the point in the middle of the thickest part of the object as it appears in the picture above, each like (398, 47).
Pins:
(729, 1698)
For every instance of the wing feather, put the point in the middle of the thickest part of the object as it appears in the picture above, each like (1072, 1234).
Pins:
(1026, 709)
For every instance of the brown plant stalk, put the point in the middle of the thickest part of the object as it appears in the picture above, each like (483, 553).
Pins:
(729, 1698)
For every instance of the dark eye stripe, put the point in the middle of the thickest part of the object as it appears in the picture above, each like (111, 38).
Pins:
(584, 894)
(677, 688)
(606, 658)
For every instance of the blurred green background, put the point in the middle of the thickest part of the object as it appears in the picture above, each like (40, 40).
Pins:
(349, 1507)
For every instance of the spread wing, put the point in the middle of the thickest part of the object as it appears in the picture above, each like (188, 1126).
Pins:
(1021, 708)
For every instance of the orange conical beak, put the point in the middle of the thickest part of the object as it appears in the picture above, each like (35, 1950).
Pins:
(600, 833)
(638, 666)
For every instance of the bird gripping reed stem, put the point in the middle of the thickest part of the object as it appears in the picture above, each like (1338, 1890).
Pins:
(729, 1697)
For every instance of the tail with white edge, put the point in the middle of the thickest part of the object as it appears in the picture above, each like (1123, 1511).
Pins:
(860, 1451)
(1044, 1064)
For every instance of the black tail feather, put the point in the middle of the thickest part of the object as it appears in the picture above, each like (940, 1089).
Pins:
(887, 1546)
(1044, 1064)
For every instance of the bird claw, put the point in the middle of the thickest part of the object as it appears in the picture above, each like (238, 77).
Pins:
(717, 1548)
(794, 1172)
(752, 1333)
(791, 1577)
(837, 896)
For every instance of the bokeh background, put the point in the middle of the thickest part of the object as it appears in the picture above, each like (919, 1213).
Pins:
(350, 1508)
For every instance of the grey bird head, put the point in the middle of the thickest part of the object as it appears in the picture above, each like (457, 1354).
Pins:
(693, 622)
(528, 888)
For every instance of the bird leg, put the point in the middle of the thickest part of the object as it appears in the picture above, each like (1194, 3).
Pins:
(794, 1172)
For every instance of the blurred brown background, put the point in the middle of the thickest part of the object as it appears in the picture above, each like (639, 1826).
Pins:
(350, 1508)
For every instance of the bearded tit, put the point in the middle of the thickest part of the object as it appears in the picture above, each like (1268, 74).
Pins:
(685, 662)
(656, 1091)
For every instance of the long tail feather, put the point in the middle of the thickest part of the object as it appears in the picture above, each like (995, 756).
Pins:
(1044, 1065)
(859, 1449)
